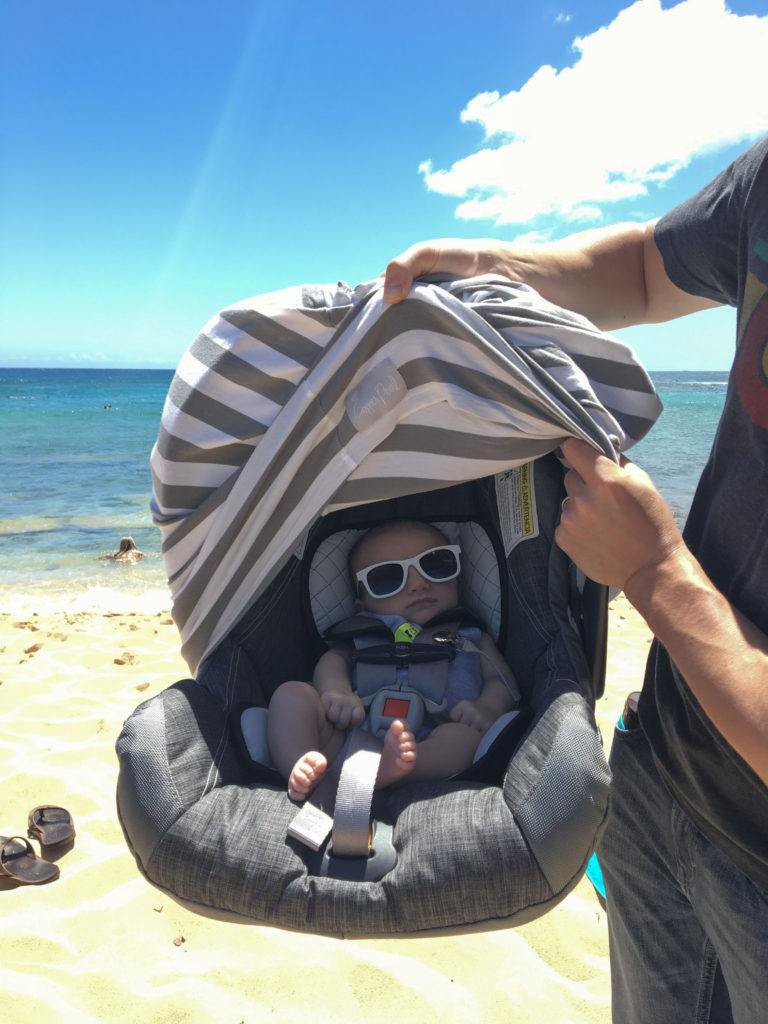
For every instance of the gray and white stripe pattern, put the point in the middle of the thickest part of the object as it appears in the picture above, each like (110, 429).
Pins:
(292, 404)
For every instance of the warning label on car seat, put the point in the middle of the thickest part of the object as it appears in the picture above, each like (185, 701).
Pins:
(516, 499)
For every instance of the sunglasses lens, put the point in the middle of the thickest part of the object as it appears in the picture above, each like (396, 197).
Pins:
(386, 579)
(439, 565)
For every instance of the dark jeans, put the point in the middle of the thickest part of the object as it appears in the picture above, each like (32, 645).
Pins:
(688, 931)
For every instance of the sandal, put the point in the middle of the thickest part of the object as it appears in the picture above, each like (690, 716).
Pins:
(51, 826)
(19, 861)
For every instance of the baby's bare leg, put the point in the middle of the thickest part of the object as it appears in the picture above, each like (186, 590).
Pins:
(448, 749)
(301, 739)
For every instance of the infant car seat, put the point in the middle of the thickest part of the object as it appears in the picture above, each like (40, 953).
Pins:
(255, 542)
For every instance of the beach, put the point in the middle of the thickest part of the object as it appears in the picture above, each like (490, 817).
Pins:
(100, 944)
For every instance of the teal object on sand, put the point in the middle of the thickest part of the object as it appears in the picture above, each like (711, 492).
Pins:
(595, 875)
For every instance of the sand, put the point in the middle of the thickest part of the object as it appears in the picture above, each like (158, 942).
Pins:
(100, 944)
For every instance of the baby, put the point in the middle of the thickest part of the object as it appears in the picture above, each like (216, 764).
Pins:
(407, 570)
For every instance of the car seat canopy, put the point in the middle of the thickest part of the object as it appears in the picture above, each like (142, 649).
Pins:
(295, 404)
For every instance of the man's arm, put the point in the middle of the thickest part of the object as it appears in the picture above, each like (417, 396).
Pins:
(618, 529)
(614, 276)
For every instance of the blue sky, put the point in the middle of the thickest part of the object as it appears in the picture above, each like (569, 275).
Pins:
(160, 159)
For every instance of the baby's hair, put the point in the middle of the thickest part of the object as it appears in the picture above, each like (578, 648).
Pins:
(394, 526)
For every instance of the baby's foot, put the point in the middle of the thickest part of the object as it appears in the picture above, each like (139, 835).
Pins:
(398, 758)
(306, 774)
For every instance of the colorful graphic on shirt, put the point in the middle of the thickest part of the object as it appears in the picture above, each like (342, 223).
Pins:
(751, 369)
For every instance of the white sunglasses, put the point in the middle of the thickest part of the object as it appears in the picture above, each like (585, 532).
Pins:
(385, 579)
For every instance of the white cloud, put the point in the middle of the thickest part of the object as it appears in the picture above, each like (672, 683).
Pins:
(95, 358)
(562, 18)
(647, 94)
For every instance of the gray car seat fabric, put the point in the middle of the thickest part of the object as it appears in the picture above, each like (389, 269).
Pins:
(206, 828)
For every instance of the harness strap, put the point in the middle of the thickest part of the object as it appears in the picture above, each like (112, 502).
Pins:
(378, 665)
(352, 817)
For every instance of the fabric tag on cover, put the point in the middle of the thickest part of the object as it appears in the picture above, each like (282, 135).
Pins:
(378, 393)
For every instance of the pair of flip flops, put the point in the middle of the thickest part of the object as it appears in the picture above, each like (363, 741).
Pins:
(53, 827)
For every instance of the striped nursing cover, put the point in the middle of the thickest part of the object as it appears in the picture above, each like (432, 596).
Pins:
(295, 403)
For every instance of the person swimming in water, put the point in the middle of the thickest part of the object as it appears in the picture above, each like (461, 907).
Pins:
(127, 552)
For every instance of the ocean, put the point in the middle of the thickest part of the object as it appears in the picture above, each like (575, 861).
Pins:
(76, 478)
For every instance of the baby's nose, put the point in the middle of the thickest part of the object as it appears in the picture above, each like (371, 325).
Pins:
(415, 580)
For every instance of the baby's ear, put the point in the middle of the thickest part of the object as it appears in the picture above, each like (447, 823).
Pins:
(359, 605)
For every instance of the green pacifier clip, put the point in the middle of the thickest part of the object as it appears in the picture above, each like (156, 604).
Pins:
(406, 633)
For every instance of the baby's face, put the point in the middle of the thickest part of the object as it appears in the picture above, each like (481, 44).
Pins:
(420, 599)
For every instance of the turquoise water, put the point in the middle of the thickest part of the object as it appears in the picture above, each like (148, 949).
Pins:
(675, 451)
(75, 478)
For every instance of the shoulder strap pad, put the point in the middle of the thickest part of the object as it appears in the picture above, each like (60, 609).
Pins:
(356, 625)
(458, 617)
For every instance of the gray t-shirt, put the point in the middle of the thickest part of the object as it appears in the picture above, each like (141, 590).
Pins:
(716, 245)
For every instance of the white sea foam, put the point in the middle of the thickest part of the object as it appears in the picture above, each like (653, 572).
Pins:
(102, 600)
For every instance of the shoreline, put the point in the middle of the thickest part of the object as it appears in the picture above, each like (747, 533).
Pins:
(95, 599)
(101, 944)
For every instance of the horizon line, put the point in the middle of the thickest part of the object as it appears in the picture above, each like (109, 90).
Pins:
(172, 369)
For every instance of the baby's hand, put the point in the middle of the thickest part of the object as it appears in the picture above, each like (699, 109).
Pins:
(343, 709)
(476, 713)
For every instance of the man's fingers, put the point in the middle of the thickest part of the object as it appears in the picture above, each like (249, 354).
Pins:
(404, 269)
(586, 460)
(582, 456)
(447, 255)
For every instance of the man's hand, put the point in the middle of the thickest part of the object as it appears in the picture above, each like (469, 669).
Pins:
(464, 257)
(344, 709)
(614, 523)
(618, 529)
